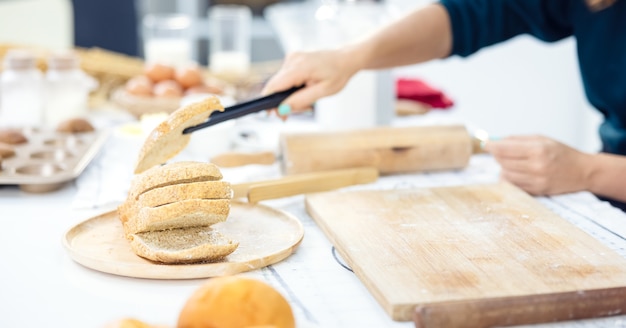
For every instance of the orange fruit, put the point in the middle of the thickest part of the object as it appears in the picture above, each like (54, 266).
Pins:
(128, 323)
(132, 323)
(236, 302)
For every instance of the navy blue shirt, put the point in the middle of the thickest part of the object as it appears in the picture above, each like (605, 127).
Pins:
(110, 25)
(600, 36)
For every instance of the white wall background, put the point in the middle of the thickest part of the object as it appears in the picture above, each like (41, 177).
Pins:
(523, 86)
(46, 23)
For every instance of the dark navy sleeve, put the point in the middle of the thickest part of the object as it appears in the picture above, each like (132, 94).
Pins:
(481, 23)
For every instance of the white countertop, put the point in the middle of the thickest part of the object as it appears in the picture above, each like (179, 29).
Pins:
(41, 286)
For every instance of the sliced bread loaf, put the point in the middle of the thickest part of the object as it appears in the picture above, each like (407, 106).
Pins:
(170, 208)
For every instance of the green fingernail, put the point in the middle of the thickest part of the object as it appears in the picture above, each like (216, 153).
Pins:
(284, 109)
(495, 138)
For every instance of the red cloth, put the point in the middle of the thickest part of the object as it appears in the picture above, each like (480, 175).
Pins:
(418, 90)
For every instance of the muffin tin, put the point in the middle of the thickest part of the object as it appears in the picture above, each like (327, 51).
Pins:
(49, 159)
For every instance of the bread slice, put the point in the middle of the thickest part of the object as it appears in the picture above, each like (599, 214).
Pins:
(185, 245)
(172, 174)
(181, 214)
(167, 139)
(175, 193)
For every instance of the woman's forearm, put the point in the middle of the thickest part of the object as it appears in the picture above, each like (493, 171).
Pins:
(422, 35)
(608, 176)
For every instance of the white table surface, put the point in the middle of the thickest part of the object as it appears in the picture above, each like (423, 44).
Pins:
(41, 286)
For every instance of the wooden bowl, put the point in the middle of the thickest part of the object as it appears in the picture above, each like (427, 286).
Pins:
(140, 105)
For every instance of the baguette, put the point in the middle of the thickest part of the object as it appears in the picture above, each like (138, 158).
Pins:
(167, 139)
(187, 245)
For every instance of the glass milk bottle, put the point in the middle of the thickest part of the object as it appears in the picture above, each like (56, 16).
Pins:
(67, 89)
(21, 85)
(229, 27)
(167, 39)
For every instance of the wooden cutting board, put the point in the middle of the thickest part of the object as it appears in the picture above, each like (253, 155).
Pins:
(470, 256)
(266, 236)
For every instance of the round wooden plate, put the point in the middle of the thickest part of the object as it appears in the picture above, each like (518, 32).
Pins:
(265, 236)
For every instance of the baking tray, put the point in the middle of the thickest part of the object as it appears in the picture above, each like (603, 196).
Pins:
(50, 159)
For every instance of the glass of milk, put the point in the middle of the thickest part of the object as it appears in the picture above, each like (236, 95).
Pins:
(229, 55)
(167, 38)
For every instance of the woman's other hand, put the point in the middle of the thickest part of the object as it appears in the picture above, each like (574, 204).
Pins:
(540, 165)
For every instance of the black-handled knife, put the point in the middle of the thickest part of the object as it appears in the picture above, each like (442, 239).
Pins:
(242, 109)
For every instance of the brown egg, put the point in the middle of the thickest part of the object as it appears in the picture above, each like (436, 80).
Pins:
(139, 86)
(168, 89)
(189, 76)
(158, 72)
(204, 88)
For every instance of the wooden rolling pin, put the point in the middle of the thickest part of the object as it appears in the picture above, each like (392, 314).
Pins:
(389, 149)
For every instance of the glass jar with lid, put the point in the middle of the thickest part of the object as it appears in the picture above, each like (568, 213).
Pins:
(67, 89)
(21, 90)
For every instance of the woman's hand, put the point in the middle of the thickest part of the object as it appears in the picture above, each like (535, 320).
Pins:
(322, 72)
(422, 35)
(542, 166)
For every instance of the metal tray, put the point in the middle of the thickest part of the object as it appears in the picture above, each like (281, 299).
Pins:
(50, 159)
